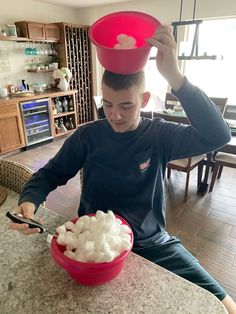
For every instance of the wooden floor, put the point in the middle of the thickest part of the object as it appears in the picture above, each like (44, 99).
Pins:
(206, 225)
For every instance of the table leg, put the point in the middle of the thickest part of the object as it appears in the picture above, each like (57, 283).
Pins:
(202, 188)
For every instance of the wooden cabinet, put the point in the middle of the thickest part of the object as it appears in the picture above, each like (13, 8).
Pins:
(11, 130)
(75, 53)
(66, 117)
(38, 31)
(52, 32)
(35, 30)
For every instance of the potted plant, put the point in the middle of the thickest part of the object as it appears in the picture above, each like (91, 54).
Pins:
(62, 77)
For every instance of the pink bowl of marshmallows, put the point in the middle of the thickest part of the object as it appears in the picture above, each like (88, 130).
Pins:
(120, 40)
(93, 248)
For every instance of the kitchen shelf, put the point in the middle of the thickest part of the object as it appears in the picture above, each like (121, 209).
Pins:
(25, 39)
(59, 115)
(64, 133)
(39, 71)
(6, 38)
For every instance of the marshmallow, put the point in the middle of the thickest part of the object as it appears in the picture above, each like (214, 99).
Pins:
(99, 238)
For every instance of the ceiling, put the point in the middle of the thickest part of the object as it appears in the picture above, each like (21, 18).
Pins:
(81, 3)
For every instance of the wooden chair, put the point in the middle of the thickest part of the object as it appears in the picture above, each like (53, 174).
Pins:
(170, 101)
(221, 160)
(172, 118)
(187, 164)
(221, 103)
(14, 175)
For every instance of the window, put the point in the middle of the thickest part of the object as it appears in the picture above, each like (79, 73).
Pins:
(215, 77)
(155, 84)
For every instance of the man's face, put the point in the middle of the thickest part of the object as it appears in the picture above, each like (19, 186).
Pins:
(122, 107)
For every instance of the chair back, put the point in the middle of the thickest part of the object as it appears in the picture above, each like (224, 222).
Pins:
(170, 101)
(172, 118)
(220, 103)
(14, 175)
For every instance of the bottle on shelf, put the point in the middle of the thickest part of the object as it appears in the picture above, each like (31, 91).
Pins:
(67, 124)
(54, 109)
(65, 104)
(58, 105)
(71, 123)
(62, 126)
(57, 130)
(70, 104)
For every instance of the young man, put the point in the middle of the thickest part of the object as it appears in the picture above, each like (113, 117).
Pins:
(124, 159)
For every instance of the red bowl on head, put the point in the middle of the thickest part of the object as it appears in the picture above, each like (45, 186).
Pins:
(103, 34)
(90, 274)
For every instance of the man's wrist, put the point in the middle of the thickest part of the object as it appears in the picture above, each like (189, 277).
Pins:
(177, 82)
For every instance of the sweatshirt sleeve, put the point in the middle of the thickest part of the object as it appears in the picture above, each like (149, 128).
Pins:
(63, 166)
(208, 131)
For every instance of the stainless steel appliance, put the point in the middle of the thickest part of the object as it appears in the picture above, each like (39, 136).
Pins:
(36, 120)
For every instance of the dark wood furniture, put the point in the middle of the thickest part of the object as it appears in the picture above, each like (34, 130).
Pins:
(220, 103)
(75, 53)
(226, 156)
(221, 160)
(171, 101)
(187, 164)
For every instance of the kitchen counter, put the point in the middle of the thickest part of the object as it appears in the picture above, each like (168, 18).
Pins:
(31, 282)
(36, 95)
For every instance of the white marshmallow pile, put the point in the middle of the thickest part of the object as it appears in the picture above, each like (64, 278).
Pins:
(99, 238)
(125, 42)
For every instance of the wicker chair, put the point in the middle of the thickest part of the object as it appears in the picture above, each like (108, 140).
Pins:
(14, 175)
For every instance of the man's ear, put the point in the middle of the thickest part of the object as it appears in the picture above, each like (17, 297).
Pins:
(146, 97)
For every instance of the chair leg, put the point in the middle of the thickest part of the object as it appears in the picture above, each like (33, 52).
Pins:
(168, 172)
(186, 187)
(220, 172)
(213, 178)
(199, 173)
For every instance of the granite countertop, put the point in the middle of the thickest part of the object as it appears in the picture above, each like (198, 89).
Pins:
(31, 282)
(37, 95)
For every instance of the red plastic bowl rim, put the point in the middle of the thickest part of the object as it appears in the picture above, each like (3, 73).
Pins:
(91, 28)
(54, 245)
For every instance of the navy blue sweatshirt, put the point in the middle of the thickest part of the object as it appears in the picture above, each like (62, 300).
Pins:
(124, 172)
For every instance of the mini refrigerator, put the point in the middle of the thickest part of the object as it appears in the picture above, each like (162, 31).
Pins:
(36, 120)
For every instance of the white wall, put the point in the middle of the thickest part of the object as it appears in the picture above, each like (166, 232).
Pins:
(28, 10)
(164, 10)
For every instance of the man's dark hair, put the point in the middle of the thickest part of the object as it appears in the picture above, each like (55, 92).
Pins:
(120, 81)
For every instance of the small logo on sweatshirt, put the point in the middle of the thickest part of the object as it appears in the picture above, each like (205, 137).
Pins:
(144, 165)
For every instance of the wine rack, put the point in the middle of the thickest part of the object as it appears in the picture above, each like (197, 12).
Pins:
(75, 53)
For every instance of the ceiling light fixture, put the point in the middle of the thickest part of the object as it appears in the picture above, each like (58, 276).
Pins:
(194, 50)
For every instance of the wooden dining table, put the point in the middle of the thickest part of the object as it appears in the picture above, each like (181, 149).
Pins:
(31, 282)
(180, 117)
